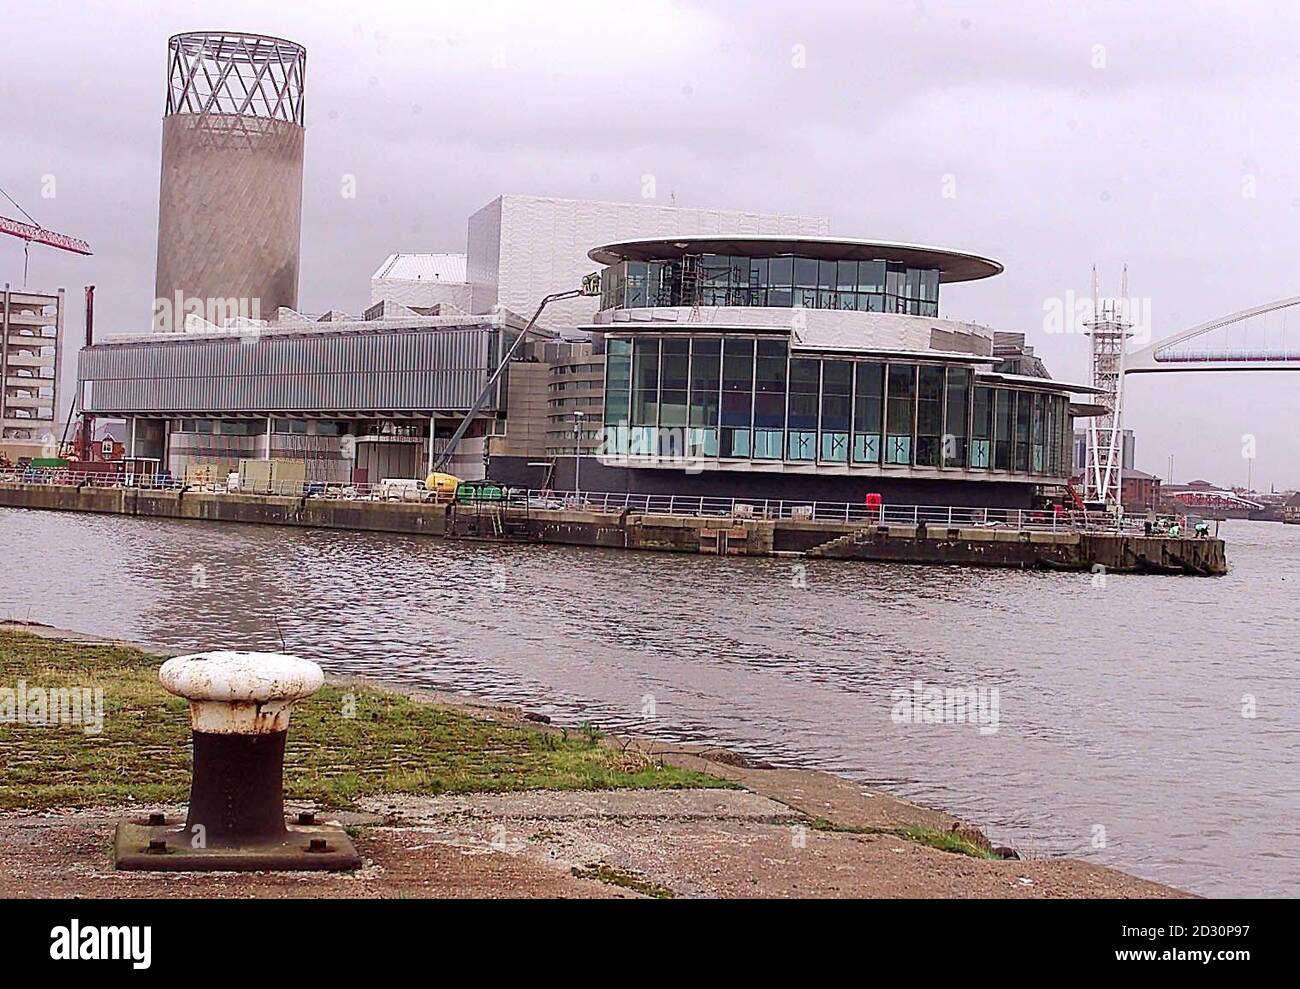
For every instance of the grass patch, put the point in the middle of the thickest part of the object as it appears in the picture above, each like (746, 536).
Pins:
(945, 841)
(604, 873)
(390, 744)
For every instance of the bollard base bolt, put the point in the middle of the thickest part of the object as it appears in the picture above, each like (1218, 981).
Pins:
(318, 847)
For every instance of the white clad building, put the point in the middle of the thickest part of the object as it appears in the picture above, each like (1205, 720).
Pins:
(421, 281)
(520, 248)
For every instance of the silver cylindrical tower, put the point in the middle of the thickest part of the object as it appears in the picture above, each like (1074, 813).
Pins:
(230, 203)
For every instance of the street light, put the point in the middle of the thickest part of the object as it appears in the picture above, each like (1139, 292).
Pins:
(577, 453)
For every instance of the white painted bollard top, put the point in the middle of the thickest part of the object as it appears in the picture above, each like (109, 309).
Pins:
(241, 693)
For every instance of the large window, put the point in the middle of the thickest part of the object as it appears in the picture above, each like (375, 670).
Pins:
(780, 274)
(1060, 436)
(981, 428)
(715, 278)
(1023, 409)
(805, 282)
(1003, 421)
(1037, 453)
(1067, 438)
(706, 385)
(618, 391)
(674, 381)
(678, 395)
(929, 416)
(769, 399)
(635, 282)
(956, 414)
(827, 285)
(868, 412)
(805, 388)
(900, 413)
(836, 411)
(737, 397)
(788, 280)
(645, 396)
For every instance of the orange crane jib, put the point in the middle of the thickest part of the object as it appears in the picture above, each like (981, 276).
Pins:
(38, 235)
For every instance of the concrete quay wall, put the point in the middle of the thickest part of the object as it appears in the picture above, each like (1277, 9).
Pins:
(988, 547)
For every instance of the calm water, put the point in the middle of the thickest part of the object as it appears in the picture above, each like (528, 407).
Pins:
(1121, 735)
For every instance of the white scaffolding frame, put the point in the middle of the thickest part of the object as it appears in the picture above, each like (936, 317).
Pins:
(1109, 329)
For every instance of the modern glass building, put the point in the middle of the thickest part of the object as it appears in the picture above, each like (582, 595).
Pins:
(786, 280)
(814, 367)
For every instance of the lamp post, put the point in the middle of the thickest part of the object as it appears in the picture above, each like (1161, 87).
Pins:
(577, 453)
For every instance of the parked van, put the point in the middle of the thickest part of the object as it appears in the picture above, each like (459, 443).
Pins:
(401, 489)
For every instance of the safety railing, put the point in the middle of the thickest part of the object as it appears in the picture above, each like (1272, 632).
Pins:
(390, 490)
(540, 500)
(938, 516)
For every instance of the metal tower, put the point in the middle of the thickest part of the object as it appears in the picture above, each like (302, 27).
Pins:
(1109, 329)
(230, 197)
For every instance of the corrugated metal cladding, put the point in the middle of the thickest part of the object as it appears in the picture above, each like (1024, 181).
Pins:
(398, 370)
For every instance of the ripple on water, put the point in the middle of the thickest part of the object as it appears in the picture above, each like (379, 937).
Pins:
(1121, 736)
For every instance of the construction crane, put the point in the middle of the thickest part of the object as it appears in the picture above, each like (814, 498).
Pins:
(33, 233)
(590, 287)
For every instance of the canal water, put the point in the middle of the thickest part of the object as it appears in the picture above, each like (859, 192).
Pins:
(1144, 722)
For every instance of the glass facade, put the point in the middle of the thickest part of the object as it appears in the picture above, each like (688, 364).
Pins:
(788, 280)
(749, 398)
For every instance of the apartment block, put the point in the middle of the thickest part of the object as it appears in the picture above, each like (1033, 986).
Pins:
(31, 326)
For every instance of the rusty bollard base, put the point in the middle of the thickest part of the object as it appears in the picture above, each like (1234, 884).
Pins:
(240, 707)
(141, 846)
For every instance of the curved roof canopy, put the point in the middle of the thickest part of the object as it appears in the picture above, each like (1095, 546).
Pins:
(954, 266)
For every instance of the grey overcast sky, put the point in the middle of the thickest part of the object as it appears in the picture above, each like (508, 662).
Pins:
(1050, 135)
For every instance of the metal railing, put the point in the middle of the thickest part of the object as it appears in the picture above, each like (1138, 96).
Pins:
(539, 500)
(938, 516)
(402, 490)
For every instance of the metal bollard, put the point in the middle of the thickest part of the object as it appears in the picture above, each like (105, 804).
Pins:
(240, 706)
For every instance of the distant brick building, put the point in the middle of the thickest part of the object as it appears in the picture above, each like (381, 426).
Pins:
(1291, 509)
(1139, 490)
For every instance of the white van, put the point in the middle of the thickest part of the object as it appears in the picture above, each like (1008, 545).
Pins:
(401, 489)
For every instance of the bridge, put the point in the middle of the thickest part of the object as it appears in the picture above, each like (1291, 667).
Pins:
(1262, 338)
(1215, 499)
(1257, 339)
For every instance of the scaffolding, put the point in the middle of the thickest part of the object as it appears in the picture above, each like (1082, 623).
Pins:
(1109, 330)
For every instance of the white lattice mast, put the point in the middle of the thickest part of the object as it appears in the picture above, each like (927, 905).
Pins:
(1109, 329)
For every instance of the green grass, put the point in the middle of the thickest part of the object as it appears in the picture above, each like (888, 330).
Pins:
(945, 841)
(392, 744)
(604, 873)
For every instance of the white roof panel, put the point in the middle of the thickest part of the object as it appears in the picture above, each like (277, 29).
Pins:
(423, 268)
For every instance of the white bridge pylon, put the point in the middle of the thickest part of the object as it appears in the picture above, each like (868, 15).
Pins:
(1279, 354)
